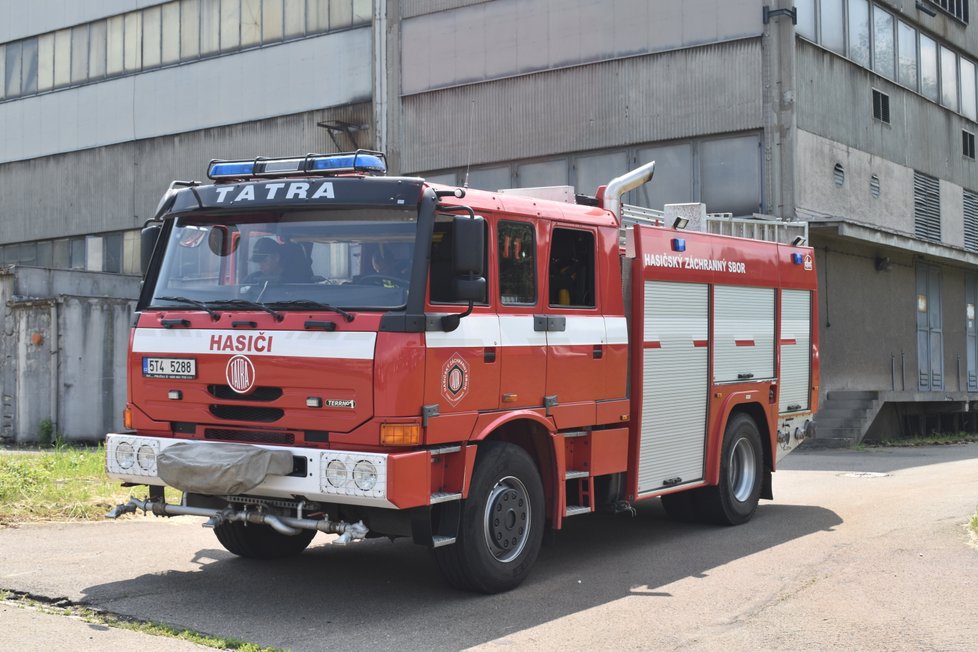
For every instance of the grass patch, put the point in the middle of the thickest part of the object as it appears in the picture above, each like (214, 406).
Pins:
(928, 440)
(66, 608)
(973, 526)
(61, 484)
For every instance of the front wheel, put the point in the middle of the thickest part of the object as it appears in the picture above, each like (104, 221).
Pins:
(735, 499)
(502, 523)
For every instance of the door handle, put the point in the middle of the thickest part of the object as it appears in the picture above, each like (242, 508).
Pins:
(489, 354)
(598, 352)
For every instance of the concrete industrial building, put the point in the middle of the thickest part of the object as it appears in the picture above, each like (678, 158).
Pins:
(856, 116)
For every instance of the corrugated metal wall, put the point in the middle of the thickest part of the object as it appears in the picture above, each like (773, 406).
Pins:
(118, 187)
(712, 89)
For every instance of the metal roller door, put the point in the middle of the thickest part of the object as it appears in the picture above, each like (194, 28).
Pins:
(743, 333)
(796, 332)
(675, 385)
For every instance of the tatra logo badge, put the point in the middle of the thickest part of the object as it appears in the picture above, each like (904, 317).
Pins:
(455, 379)
(240, 374)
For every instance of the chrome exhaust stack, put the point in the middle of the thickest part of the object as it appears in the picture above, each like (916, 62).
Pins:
(620, 185)
(288, 525)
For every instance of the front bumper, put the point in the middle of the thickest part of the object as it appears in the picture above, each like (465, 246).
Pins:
(390, 481)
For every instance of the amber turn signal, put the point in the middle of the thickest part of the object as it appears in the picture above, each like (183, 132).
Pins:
(127, 418)
(400, 434)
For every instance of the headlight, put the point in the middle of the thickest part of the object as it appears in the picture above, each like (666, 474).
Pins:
(125, 455)
(146, 457)
(336, 473)
(365, 475)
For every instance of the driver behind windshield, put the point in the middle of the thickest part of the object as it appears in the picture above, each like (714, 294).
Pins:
(285, 263)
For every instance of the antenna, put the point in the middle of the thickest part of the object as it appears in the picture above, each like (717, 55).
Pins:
(468, 161)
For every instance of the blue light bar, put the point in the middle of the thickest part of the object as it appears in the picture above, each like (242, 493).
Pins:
(797, 259)
(350, 162)
(318, 164)
(234, 169)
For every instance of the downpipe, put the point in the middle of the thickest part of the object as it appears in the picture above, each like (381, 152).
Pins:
(288, 525)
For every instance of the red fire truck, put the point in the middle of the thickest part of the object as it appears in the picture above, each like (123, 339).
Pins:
(319, 347)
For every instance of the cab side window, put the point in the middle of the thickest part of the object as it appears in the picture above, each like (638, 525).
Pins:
(571, 269)
(517, 264)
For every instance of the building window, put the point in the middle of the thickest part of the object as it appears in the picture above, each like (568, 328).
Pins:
(873, 37)
(956, 8)
(165, 34)
(968, 144)
(883, 50)
(927, 207)
(881, 106)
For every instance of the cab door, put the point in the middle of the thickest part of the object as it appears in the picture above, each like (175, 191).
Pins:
(575, 327)
(523, 351)
(461, 366)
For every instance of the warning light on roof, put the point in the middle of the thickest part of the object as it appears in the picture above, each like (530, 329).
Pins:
(318, 164)
(678, 244)
(797, 259)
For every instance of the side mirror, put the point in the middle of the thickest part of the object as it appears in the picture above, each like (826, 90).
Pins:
(469, 240)
(147, 242)
(471, 290)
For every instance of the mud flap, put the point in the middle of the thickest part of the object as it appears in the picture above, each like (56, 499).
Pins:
(436, 524)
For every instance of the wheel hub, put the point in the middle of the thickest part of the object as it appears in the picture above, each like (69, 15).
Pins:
(507, 519)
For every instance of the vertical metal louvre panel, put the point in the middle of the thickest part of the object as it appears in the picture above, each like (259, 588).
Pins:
(796, 329)
(675, 384)
(743, 333)
(927, 207)
(970, 221)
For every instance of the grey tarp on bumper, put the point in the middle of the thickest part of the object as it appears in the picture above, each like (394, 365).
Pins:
(220, 469)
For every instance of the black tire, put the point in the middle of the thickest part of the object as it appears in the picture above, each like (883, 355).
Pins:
(734, 500)
(261, 541)
(494, 550)
(682, 506)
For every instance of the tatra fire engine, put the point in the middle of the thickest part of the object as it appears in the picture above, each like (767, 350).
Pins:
(319, 347)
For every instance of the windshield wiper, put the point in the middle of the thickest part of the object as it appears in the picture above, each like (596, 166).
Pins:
(244, 303)
(308, 303)
(190, 302)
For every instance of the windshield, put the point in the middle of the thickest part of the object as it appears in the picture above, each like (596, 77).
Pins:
(355, 259)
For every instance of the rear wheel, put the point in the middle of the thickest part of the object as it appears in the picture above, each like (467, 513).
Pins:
(734, 500)
(502, 523)
(261, 541)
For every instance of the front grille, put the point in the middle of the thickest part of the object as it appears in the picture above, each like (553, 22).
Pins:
(253, 436)
(225, 393)
(246, 413)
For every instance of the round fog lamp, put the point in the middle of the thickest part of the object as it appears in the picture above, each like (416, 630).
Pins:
(125, 455)
(146, 457)
(336, 473)
(365, 475)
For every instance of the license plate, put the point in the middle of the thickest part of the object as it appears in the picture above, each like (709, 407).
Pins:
(169, 368)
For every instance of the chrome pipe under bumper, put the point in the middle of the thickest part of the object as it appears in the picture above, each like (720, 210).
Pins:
(289, 525)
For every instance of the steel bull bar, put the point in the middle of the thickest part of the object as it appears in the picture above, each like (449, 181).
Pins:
(288, 525)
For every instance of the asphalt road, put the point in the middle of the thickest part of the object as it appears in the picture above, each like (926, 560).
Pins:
(860, 550)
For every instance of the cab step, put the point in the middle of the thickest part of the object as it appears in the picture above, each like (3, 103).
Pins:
(574, 510)
(438, 541)
(444, 497)
(574, 475)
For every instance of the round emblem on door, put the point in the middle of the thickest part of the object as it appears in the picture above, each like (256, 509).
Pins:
(455, 379)
(240, 374)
